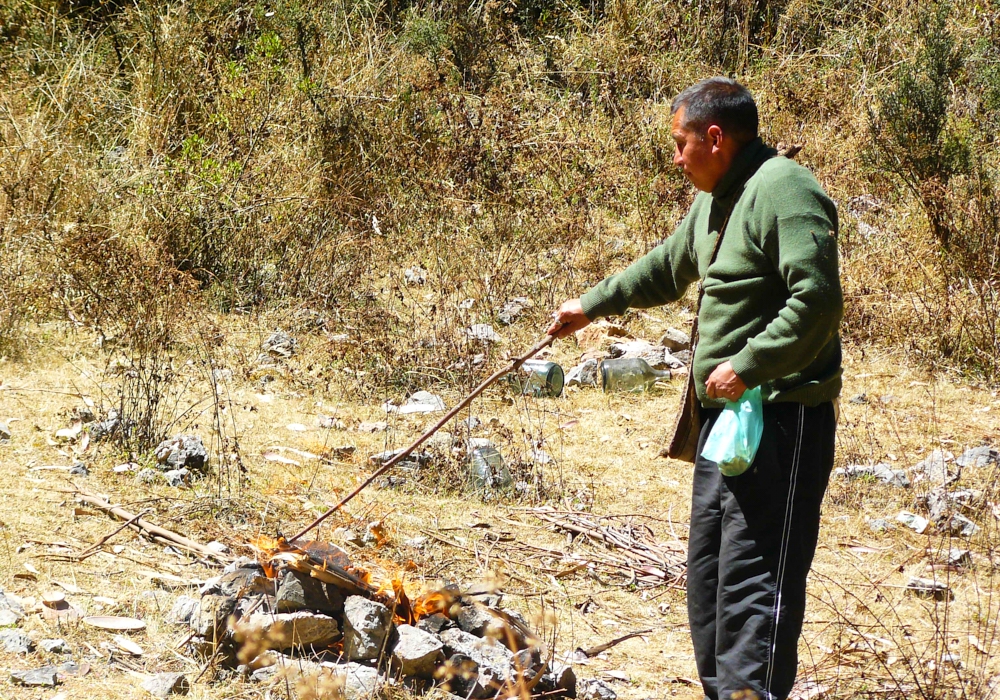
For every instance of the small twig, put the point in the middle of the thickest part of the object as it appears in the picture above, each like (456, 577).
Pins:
(90, 551)
(595, 650)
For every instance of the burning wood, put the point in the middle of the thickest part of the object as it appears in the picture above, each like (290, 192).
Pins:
(305, 605)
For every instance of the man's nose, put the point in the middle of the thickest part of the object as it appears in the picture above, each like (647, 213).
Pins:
(677, 157)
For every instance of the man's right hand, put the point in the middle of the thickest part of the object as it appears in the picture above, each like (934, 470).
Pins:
(568, 319)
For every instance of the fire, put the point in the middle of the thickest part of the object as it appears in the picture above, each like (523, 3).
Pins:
(332, 565)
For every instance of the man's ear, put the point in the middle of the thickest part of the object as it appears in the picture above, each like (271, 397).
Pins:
(715, 137)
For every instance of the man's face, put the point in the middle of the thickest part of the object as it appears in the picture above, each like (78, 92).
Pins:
(701, 155)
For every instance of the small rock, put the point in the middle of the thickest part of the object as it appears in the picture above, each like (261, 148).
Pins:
(419, 402)
(474, 619)
(16, 642)
(360, 682)
(348, 536)
(186, 611)
(961, 526)
(935, 466)
(913, 521)
(415, 275)
(147, 476)
(5, 433)
(163, 685)
(879, 525)
(433, 624)
(182, 451)
(79, 469)
(104, 429)
(298, 591)
(942, 503)
(289, 630)
(177, 477)
(11, 610)
(367, 624)
(482, 332)
(213, 612)
(493, 660)
(512, 309)
(46, 677)
(584, 374)
(330, 423)
(978, 457)
(237, 581)
(55, 646)
(376, 427)
(472, 423)
(417, 652)
(594, 689)
(220, 376)
(859, 400)
(657, 356)
(242, 563)
(674, 340)
(882, 471)
(928, 588)
(560, 677)
(279, 344)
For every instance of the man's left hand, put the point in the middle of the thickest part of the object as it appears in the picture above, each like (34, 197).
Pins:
(724, 383)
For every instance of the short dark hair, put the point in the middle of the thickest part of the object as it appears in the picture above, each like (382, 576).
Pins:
(721, 101)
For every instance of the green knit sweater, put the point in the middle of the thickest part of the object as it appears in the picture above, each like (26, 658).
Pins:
(773, 302)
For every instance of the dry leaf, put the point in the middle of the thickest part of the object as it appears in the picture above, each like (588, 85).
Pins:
(68, 587)
(112, 622)
(281, 459)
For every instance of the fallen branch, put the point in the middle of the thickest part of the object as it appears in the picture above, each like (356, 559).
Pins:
(148, 529)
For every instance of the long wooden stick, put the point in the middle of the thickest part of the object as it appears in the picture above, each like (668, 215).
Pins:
(151, 530)
(514, 364)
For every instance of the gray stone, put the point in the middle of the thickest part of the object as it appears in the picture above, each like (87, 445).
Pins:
(298, 591)
(982, 456)
(584, 374)
(280, 344)
(55, 646)
(239, 581)
(928, 588)
(941, 503)
(879, 525)
(44, 677)
(177, 477)
(5, 433)
(961, 526)
(415, 275)
(213, 612)
(512, 309)
(147, 476)
(16, 642)
(182, 451)
(11, 610)
(104, 429)
(492, 659)
(416, 459)
(657, 356)
(674, 340)
(525, 664)
(289, 630)
(79, 469)
(186, 611)
(242, 563)
(881, 471)
(594, 689)
(475, 619)
(560, 677)
(419, 402)
(935, 466)
(360, 682)
(482, 332)
(367, 625)
(433, 624)
(165, 684)
(417, 652)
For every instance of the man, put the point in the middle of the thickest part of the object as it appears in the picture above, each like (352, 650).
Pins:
(769, 318)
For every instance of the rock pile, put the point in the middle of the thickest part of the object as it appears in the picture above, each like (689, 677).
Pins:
(308, 613)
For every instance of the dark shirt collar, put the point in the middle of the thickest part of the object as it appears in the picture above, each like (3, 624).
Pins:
(745, 164)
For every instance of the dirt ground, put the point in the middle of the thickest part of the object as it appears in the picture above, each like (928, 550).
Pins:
(860, 623)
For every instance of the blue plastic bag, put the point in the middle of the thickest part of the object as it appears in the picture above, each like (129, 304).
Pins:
(735, 437)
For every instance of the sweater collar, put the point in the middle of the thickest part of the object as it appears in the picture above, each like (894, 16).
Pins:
(744, 165)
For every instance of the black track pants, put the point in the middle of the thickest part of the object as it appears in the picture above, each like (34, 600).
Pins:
(752, 541)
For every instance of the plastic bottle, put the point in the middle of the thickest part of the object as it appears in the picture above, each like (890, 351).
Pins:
(630, 374)
(538, 378)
